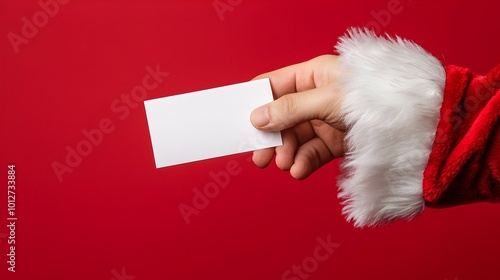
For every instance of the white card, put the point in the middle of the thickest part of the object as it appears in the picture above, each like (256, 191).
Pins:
(208, 123)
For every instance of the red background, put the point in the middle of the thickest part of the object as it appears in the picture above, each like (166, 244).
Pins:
(116, 211)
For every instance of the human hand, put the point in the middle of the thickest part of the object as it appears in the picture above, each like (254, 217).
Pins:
(307, 112)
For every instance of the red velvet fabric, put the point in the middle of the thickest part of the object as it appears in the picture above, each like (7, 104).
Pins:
(464, 164)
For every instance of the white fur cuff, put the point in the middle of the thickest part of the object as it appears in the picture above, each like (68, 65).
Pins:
(394, 93)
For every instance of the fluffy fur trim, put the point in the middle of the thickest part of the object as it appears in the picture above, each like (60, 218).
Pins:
(394, 93)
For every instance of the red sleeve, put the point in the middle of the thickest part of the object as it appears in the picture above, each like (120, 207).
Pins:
(464, 164)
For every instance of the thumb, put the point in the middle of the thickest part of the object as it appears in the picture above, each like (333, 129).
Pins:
(294, 108)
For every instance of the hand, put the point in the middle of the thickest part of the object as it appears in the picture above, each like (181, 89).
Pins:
(307, 111)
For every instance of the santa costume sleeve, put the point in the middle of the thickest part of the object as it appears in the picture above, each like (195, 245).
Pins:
(419, 134)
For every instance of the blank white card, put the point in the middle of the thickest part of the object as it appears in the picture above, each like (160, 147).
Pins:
(208, 123)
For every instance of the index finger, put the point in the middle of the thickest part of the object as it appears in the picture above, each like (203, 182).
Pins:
(302, 76)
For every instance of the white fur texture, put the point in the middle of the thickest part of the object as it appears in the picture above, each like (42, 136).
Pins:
(394, 94)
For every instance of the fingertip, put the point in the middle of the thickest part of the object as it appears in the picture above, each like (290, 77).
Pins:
(285, 153)
(260, 117)
(257, 161)
(300, 171)
(282, 163)
(262, 158)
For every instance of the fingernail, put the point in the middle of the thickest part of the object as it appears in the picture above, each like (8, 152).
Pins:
(260, 116)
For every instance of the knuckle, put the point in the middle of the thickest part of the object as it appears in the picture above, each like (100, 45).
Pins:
(282, 111)
(288, 104)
